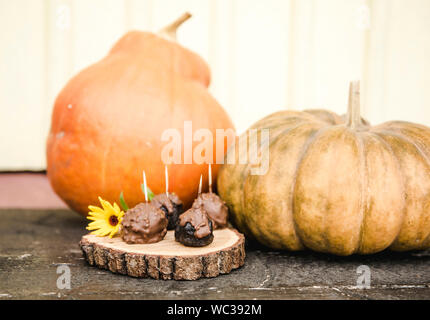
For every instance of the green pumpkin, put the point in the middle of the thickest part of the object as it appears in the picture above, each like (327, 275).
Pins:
(334, 184)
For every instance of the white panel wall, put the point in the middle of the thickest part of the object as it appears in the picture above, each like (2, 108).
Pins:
(23, 83)
(260, 59)
(264, 56)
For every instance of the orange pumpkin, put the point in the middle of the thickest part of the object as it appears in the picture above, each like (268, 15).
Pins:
(108, 121)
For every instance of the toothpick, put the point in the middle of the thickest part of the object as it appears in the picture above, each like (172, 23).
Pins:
(200, 185)
(144, 186)
(210, 178)
(167, 180)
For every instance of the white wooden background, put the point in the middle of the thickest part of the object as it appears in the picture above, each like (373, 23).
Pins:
(265, 55)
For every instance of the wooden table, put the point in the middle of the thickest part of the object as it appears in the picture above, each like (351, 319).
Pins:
(35, 243)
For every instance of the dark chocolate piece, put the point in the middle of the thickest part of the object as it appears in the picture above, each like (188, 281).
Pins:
(215, 208)
(172, 207)
(145, 223)
(194, 228)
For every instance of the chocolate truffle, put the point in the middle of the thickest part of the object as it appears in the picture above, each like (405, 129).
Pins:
(172, 207)
(145, 223)
(194, 228)
(215, 208)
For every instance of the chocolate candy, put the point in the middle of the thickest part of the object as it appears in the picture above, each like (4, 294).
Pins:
(215, 208)
(172, 207)
(194, 228)
(145, 223)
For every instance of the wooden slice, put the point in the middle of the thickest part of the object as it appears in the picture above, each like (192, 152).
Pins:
(167, 259)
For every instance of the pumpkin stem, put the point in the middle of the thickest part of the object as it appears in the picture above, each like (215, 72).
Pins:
(353, 116)
(169, 31)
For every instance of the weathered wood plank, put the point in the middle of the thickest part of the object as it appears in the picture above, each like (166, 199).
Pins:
(34, 243)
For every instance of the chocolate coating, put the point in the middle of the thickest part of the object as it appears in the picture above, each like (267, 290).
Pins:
(172, 207)
(194, 228)
(145, 223)
(215, 208)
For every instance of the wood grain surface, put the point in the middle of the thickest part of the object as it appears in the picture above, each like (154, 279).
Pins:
(167, 259)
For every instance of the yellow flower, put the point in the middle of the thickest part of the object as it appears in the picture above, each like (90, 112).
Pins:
(106, 220)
